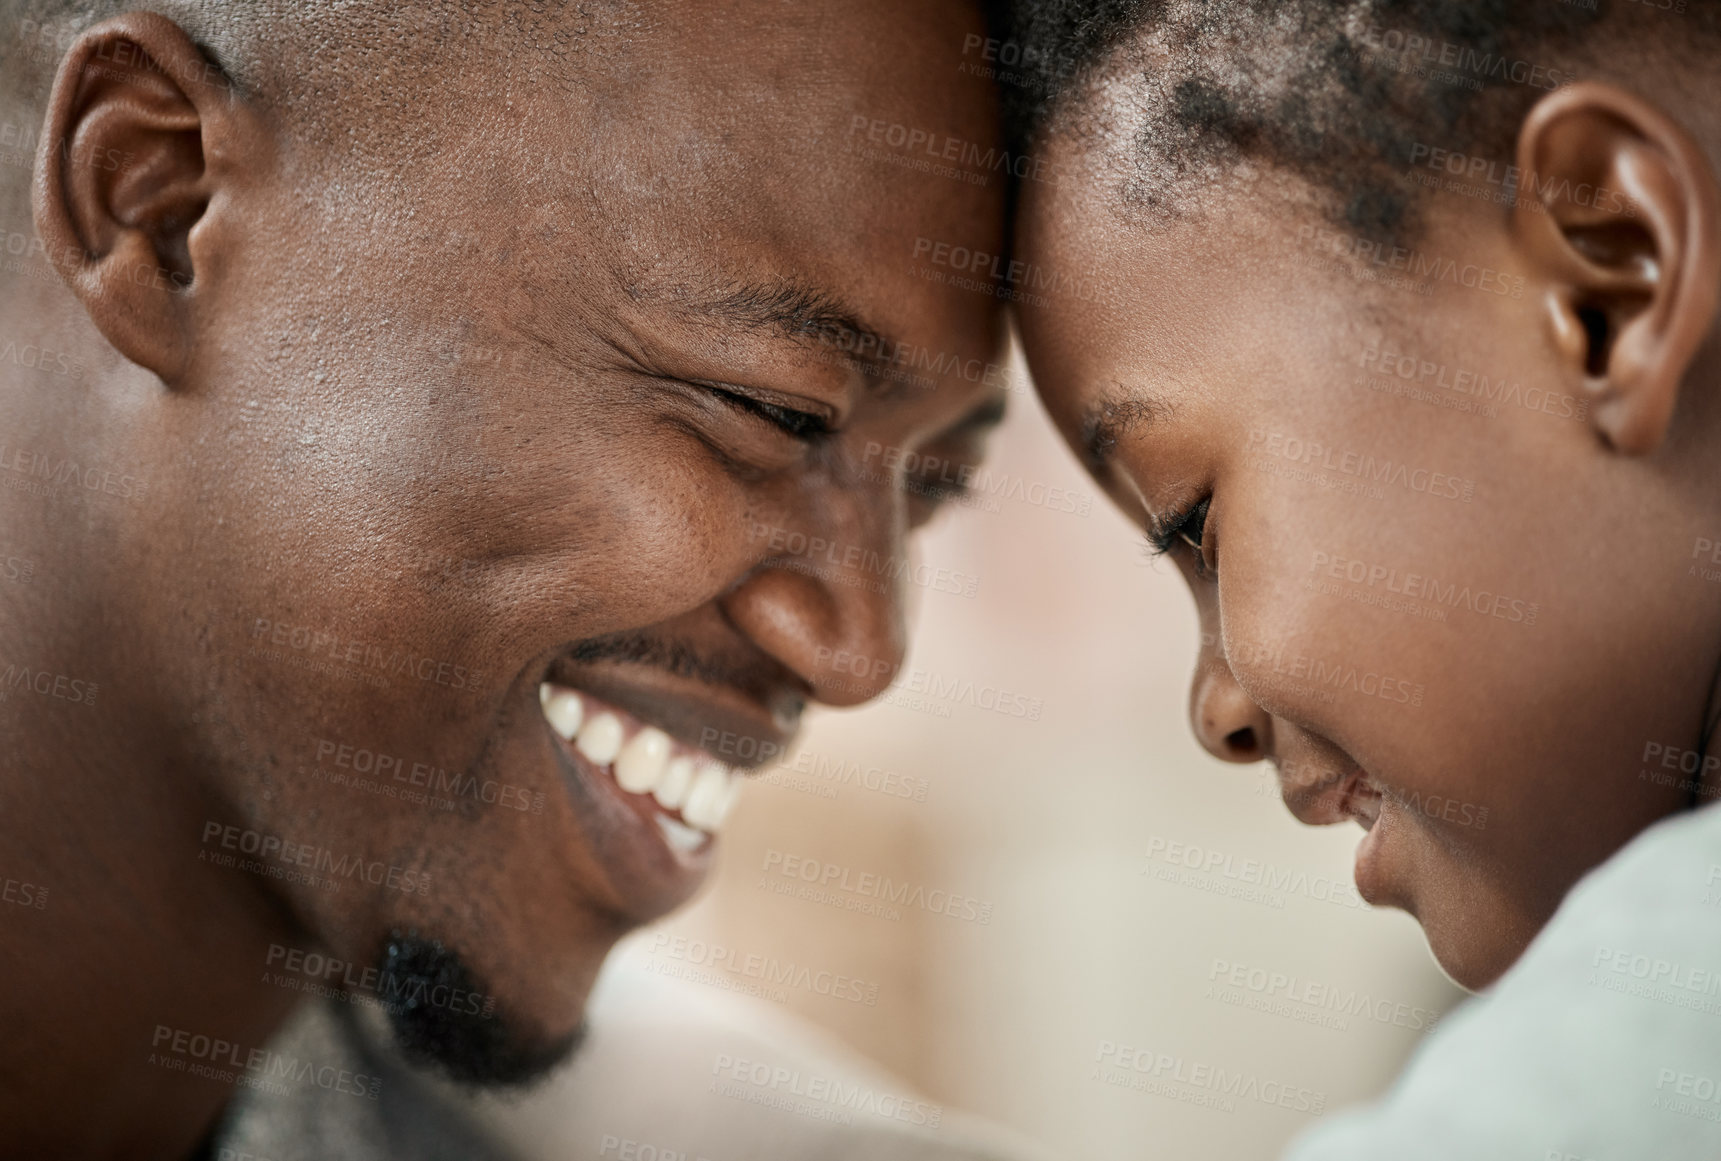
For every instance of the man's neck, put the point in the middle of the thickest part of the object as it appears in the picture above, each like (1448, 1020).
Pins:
(115, 938)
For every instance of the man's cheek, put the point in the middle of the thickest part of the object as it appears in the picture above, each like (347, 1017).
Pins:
(664, 547)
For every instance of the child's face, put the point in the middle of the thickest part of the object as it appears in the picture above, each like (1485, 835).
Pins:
(1431, 595)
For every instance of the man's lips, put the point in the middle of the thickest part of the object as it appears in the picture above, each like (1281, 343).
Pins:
(685, 791)
(732, 725)
(651, 749)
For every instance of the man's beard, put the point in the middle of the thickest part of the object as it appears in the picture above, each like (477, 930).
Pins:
(443, 1018)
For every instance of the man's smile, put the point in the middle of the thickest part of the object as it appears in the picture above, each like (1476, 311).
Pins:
(652, 744)
(685, 791)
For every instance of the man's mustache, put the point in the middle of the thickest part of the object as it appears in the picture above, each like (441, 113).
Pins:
(755, 674)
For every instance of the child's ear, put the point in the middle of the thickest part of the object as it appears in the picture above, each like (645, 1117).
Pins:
(142, 134)
(1617, 212)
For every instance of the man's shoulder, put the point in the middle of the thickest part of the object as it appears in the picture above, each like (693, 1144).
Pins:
(676, 1068)
(667, 1069)
(322, 1092)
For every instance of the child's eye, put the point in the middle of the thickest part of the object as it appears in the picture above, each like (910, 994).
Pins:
(1194, 524)
(1189, 526)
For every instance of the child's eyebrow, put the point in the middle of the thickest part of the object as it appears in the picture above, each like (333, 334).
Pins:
(1115, 416)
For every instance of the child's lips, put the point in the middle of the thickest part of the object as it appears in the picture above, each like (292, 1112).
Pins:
(1322, 794)
(1364, 802)
(1367, 872)
(1361, 800)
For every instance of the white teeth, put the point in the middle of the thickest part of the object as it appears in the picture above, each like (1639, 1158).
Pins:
(600, 739)
(563, 709)
(704, 791)
(704, 806)
(640, 765)
(671, 790)
(679, 837)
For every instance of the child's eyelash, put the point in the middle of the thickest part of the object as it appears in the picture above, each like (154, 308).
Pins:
(1186, 524)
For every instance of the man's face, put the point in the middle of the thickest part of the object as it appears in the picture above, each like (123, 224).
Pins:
(567, 384)
(1428, 593)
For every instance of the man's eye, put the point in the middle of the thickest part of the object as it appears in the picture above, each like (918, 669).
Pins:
(803, 425)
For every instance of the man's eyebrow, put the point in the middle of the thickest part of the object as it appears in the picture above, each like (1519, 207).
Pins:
(803, 315)
(1112, 418)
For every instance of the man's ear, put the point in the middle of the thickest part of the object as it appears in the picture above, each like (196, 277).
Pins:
(1617, 209)
(141, 132)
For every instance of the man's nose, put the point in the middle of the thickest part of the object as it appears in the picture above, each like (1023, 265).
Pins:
(1227, 722)
(828, 603)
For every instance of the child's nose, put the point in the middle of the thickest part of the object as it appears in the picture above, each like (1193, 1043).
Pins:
(1227, 722)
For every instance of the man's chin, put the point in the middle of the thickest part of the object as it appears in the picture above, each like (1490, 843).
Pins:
(443, 1019)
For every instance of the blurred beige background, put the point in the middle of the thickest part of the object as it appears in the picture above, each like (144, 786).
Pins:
(1100, 934)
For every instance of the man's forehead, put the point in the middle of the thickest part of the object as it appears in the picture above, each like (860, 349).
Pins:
(726, 56)
(778, 223)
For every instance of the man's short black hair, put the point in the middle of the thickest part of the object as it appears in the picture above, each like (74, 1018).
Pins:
(1340, 92)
